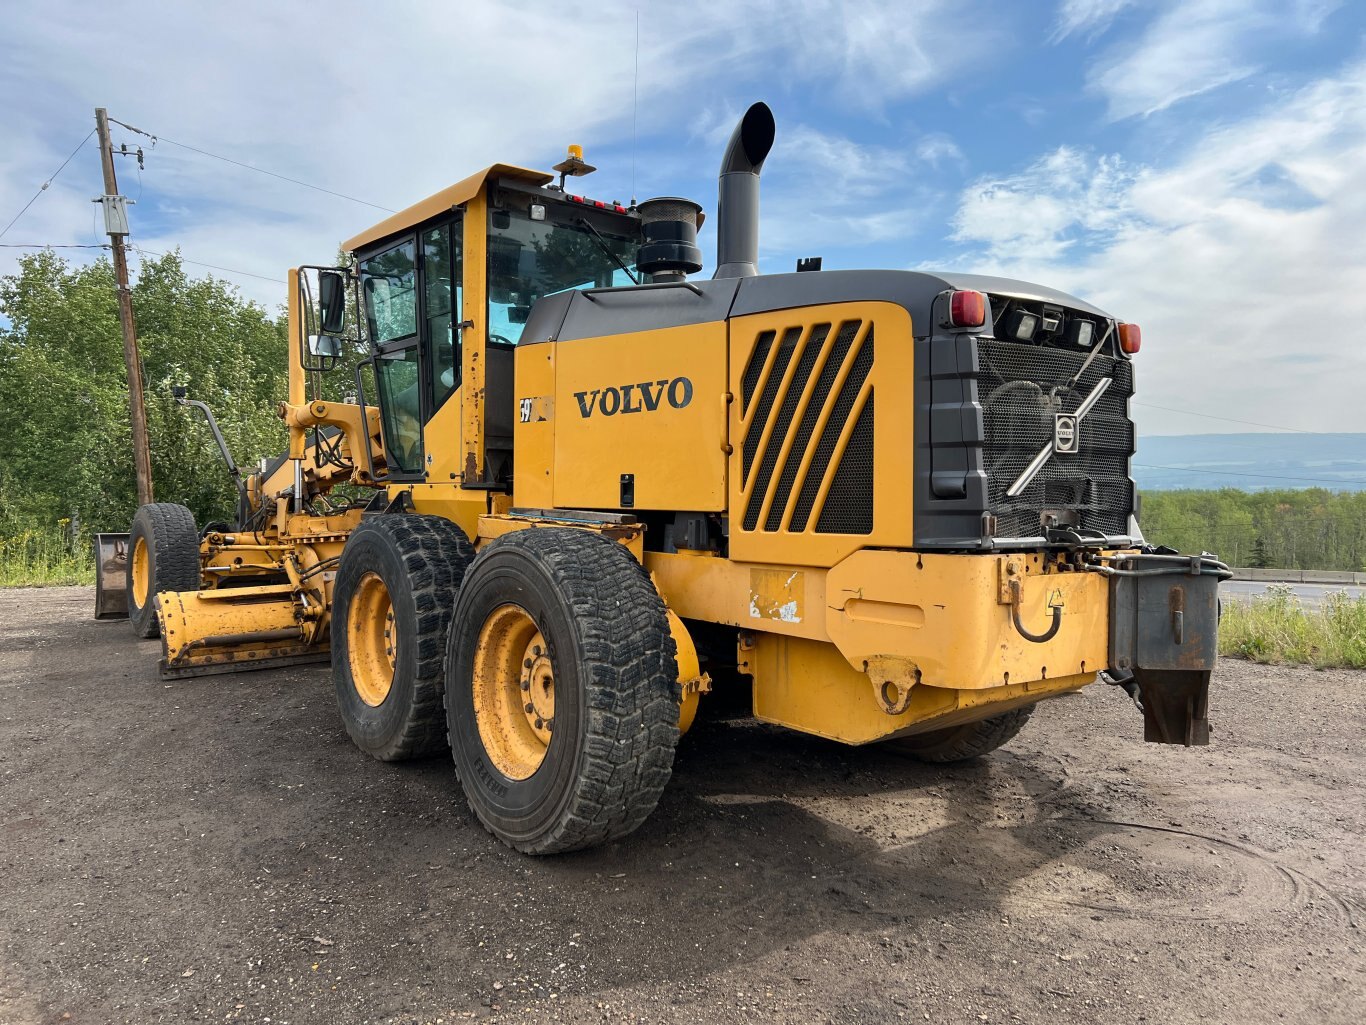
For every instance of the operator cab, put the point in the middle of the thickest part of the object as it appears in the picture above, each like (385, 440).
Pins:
(451, 282)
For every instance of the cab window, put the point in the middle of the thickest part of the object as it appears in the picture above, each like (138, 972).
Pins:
(442, 274)
(390, 284)
(529, 259)
(396, 375)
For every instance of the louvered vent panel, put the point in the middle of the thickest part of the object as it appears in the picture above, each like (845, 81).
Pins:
(782, 424)
(795, 407)
(775, 378)
(756, 364)
(848, 508)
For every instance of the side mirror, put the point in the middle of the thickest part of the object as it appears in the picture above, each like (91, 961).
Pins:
(332, 300)
(329, 346)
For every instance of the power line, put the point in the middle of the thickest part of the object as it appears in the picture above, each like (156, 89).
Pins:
(43, 188)
(54, 245)
(1229, 419)
(251, 167)
(211, 266)
(1230, 473)
(144, 252)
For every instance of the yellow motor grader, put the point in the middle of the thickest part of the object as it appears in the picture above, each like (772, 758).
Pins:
(898, 502)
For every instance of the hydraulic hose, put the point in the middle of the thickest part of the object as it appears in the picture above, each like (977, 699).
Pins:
(1171, 565)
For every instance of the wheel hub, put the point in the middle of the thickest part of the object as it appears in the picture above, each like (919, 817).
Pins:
(513, 687)
(142, 573)
(538, 684)
(372, 640)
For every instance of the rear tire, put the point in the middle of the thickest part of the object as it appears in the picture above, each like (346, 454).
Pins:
(163, 555)
(564, 624)
(391, 609)
(964, 742)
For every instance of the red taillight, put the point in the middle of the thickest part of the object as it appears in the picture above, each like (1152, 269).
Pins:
(1130, 338)
(967, 309)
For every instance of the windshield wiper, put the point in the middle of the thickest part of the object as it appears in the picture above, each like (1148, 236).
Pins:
(602, 244)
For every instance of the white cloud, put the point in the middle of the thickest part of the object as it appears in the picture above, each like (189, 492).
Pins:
(389, 106)
(1042, 212)
(1251, 298)
(1189, 49)
(1086, 17)
(1194, 46)
(937, 148)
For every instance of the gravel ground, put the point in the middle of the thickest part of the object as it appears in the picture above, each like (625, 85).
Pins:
(216, 850)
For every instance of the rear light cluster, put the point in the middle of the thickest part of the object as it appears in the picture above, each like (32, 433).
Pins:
(967, 309)
(597, 203)
(1130, 338)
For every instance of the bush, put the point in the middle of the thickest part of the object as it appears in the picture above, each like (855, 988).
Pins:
(1277, 628)
(43, 554)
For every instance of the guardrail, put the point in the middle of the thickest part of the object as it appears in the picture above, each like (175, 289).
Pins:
(1300, 576)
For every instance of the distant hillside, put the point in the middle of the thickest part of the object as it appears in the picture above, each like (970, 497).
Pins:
(1251, 462)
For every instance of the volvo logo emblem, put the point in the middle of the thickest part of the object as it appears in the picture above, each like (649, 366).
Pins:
(1066, 437)
(1065, 434)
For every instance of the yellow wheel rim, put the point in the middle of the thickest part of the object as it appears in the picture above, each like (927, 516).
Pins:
(372, 640)
(142, 573)
(514, 692)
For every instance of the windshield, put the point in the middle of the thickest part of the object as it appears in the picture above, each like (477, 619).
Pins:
(531, 259)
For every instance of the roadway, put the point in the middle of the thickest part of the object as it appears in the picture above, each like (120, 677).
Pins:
(1309, 594)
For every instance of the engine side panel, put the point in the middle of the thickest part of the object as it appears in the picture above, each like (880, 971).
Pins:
(640, 420)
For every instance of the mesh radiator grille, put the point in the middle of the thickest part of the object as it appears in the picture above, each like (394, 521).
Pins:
(1021, 389)
(798, 413)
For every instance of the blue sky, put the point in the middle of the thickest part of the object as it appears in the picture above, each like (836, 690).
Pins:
(1197, 167)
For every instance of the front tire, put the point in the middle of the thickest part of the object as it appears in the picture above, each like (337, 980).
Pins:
(562, 694)
(163, 555)
(391, 609)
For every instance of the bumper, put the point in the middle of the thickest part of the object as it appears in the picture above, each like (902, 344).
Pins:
(918, 642)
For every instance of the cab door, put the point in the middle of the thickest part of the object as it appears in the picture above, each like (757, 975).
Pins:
(389, 283)
(413, 304)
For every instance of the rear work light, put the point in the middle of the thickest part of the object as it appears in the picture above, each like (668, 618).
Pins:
(967, 309)
(1130, 338)
(1022, 325)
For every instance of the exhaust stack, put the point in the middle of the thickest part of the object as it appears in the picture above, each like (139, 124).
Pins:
(737, 205)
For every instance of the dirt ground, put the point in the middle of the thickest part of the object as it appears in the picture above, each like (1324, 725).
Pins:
(217, 850)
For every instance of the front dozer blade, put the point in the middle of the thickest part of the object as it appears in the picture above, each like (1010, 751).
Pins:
(111, 576)
(233, 630)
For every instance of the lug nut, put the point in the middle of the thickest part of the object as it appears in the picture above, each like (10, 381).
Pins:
(526, 663)
(529, 709)
(536, 650)
(526, 683)
(540, 723)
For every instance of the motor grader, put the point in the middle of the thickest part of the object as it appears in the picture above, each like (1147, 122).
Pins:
(896, 504)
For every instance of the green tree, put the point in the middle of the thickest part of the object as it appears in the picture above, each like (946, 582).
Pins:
(65, 449)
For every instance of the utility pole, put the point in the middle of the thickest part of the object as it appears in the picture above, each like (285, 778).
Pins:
(116, 223)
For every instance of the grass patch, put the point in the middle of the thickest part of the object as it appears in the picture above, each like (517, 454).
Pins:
(1277, 628)
(44, 556)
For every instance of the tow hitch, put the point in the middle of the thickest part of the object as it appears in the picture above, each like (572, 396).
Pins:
(1164, 638)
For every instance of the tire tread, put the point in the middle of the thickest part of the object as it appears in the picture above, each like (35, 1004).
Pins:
(966, 741)
(174, 542)
(434, 553)
(631, 672)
